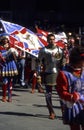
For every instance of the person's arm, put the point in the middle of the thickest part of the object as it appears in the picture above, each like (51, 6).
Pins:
(62, 88)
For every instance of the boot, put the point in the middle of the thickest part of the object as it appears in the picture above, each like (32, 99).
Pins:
(50, 106)
(52, 116)
(4, 99)
(33, 90)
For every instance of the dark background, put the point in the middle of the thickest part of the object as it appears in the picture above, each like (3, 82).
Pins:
(29, 12)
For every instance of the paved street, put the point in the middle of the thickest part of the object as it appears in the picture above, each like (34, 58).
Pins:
(28, 112)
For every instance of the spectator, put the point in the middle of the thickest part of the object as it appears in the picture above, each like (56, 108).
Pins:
(65, 60)
(21, 67)
(71, 42)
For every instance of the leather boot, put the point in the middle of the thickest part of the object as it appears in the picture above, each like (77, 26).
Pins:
(4, 99)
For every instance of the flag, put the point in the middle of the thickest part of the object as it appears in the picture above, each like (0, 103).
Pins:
(42, 35)
(22, 38)
(60, 38)
(40, 31)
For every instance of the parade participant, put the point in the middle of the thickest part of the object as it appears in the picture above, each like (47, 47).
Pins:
(36, 81)
(50, 55)
(8, 66)
(39, 84)
(71, 43)
(70, 88)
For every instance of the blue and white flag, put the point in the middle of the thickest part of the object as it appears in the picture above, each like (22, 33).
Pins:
(23, 38)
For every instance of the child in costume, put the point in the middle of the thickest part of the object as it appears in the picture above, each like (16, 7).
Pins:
(8, 67)
(70, 88)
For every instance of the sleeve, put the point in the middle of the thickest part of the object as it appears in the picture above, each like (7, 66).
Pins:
(62, 87)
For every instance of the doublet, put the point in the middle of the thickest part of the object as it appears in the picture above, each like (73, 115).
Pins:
(75, 84)
(8, 67)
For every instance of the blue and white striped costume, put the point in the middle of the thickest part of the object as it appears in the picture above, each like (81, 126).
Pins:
(8, 67)
(74, 112)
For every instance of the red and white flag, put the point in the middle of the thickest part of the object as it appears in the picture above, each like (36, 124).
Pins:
(60, 38)
(22, 38)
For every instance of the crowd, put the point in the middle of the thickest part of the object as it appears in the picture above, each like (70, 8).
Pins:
(54, 67)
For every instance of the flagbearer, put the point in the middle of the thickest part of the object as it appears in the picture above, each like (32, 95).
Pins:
(8, 66)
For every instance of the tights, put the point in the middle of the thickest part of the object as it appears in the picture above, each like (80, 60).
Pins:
(49, 99)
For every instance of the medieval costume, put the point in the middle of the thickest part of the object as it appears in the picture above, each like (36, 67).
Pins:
(8, 68)
(50, 57)
(70, 87)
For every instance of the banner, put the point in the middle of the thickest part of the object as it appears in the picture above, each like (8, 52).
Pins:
(60, 38)
(22, 38)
